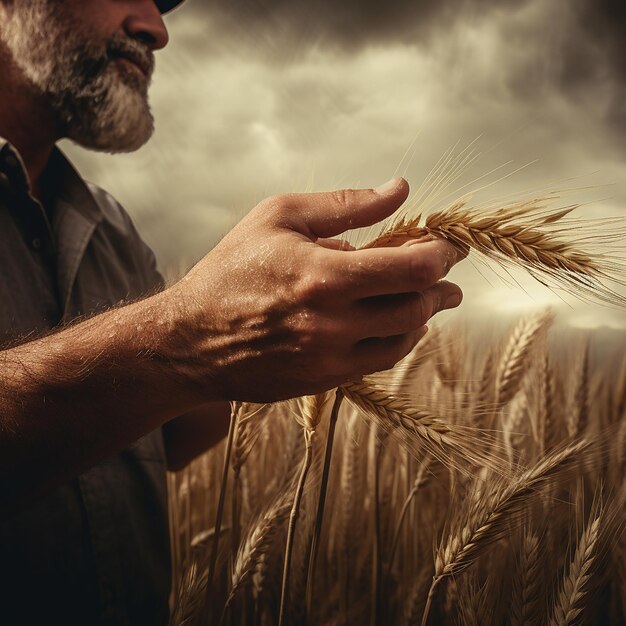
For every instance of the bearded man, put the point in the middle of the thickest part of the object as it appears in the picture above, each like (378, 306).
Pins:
(107, 378)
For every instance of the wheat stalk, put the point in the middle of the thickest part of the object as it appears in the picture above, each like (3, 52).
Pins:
(234, 414)
(420, 481)
(309, 419)
(349, 490)
(322, 501)
(413, 608)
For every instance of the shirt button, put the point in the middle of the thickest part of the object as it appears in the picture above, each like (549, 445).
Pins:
(36, 243)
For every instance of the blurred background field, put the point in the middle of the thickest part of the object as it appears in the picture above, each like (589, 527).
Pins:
(511, 544)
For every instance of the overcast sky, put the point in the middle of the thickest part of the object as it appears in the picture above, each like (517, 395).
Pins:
(252, 98)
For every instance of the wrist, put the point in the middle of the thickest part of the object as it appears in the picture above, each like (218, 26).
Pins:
(182, 338)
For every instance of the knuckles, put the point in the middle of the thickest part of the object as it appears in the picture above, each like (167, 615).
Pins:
(272, 208)
(344, 198)
(312, 288)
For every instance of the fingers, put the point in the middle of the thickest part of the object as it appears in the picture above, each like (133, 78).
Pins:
(377, 354)
(404, 313)
(397, 324)
(382, 271)
(332, 213)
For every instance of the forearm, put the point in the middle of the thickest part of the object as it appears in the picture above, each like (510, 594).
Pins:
(75, 397)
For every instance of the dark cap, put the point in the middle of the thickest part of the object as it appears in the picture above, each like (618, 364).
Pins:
(167, 5)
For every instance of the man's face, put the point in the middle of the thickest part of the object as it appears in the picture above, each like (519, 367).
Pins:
(92, 61)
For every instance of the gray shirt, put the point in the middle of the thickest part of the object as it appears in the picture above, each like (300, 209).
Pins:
(96, 550)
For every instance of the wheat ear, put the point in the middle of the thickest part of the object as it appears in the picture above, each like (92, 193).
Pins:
(483, 404)
(547, 406)
(258, 543)
(577, 581)
(486, 519)
(414, 426)
(247, 432)
(516, 356)
(527, 585)
(578, 416)
(542, 240)
(475, 602)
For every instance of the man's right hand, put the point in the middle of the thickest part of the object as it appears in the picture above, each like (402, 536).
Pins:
(275, 312)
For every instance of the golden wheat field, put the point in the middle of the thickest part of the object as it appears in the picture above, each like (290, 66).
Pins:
(480, 481)
(484, 479)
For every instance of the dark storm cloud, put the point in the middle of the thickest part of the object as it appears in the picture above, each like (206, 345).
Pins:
(602, 24)
(352, 23)
(581, 54)
(347, 24)
(578, 49)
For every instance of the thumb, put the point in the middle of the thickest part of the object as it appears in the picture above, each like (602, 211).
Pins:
(332, 213)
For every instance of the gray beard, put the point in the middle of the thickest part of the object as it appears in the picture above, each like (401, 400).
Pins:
(95, 103)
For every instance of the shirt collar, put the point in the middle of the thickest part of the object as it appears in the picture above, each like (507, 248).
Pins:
(70, 187)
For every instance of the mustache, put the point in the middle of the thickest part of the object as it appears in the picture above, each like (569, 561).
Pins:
(132, 50)
(94, 62)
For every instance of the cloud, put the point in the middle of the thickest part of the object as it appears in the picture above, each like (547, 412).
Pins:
(603, 24)
(348, 25)
(577, 48)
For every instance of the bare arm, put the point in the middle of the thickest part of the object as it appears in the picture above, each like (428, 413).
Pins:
(75, 397)
(268, 314)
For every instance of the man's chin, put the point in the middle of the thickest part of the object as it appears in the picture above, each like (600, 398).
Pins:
(121, 123)
(110, 145)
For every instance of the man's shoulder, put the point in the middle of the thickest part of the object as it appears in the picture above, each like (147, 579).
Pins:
(119, 232)
(112, 211)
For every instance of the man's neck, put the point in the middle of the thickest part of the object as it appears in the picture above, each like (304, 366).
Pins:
(26, 122)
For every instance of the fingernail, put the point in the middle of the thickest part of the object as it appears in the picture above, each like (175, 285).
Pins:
(452, 301)
(388, 186)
